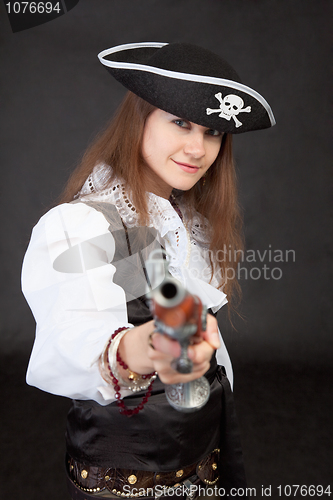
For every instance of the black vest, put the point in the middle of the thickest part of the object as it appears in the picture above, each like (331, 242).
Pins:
(158, 438)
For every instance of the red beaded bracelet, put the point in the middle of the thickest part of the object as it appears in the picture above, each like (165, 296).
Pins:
(124, 410)
(133, 375)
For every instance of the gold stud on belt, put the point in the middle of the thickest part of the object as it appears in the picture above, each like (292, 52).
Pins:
(132, 479)
(179, 473)
(84, 474)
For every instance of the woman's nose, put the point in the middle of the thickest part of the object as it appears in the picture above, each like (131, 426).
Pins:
(195, 145)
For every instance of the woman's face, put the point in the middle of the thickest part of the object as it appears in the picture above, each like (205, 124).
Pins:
(177, 152)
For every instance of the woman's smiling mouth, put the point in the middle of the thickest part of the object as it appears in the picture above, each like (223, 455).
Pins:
(192, 169)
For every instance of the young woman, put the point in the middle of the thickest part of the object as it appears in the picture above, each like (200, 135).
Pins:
(160, 176)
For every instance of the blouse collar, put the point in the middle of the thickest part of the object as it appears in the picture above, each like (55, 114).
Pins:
(187, 248)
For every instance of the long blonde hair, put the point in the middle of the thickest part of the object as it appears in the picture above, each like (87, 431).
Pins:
(120, 147)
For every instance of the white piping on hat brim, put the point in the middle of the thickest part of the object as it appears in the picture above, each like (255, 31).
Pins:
(179, 76)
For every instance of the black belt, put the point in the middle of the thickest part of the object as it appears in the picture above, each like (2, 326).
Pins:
(186, 492)
(85, 481)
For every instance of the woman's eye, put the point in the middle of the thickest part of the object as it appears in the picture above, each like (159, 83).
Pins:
(211, 131)
(181, 123)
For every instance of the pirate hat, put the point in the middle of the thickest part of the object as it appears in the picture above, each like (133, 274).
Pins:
(189, 82)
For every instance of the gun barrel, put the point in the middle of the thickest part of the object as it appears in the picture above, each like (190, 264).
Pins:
(170, 293)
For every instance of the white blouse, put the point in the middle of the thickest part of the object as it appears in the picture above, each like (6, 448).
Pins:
(67, 279)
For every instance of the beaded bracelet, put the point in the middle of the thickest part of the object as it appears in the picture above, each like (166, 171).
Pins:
(117, 380)
(133, 376)
(137, 383)
(109, 354)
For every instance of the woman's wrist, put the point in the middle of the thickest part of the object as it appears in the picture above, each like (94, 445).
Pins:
(111, 363)
(133, 350)
(107, 361)
(125, 356)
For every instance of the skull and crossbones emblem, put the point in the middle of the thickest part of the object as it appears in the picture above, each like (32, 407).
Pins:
(230, 106)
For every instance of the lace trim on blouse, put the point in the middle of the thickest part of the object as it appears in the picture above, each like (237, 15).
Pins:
(187, 248)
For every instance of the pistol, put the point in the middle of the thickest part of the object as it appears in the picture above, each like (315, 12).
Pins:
(182, 316)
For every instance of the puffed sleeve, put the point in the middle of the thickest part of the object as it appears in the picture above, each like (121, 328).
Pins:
(67, 279)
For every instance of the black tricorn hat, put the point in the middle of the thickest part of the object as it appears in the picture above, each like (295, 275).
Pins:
(189, 82)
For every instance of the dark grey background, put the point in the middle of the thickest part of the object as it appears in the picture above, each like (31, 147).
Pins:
(56, 96)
